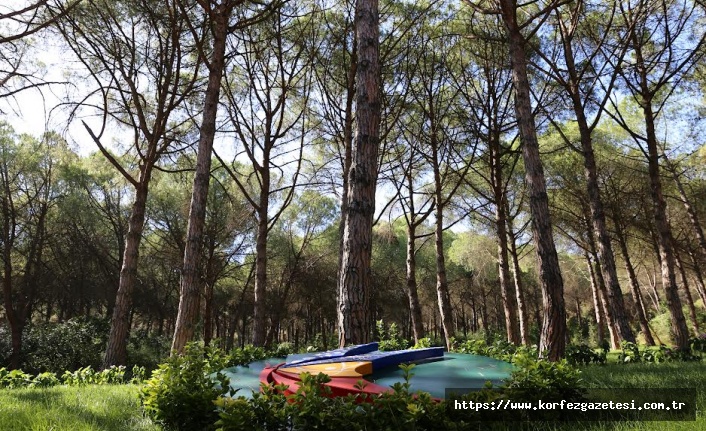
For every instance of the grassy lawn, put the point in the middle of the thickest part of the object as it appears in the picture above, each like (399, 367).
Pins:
(106, 407)
(113, 407)
(642, 376)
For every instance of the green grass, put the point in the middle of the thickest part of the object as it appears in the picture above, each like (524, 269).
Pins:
(642, 376)
(61, 408)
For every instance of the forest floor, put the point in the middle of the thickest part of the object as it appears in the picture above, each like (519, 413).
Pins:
(116, 407)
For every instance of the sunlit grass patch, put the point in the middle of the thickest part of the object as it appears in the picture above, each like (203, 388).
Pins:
(92, 407)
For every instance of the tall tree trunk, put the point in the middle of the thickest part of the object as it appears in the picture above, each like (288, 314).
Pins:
(659, 205)
(354, 323)
(687, 293)
(552, 342)
(700, 288)
(519, 289)
(693, 217)
(597, 305)
(634, 287)
(415, 309)
(259, 312)
(347, 153)
(506, 290)
(116, 351)
(189, 294)
(604, 249)
(442, 284)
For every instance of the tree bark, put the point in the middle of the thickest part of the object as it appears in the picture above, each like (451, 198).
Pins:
(519, 288)
(442, 284)
(507, 293)
(634, 287)
(116, 351)
(354, 320)
(597, 305)
(553, 334)
(189, 293)
(700, 288)
(259, 312)
(687, 294)
(415, 309)
(659, 205)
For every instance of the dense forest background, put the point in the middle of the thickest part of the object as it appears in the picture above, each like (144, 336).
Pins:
(95, 213)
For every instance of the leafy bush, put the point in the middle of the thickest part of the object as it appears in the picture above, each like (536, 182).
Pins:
(390, 339)
(45, 380)
(629, 352)
(423, 343)
(181, 392)
(545, 380)
(14, 379)
(499, 349)
(246, 355)
(58, 347)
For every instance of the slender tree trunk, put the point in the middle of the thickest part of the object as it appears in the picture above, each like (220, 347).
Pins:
(604, 249)
(116, 351)
(347, 153)
(597, 305)
(415, 309)
(189, 296)
(519, 289)
(659, 206)
(552, 342)
(634, 287)
(687, 294)
(700, 288)
(442, 284)
(259, 312)
(506, 289)
(354, 323)
(693, 217)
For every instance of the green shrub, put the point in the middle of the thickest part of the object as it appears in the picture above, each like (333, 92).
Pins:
(45, 380)
(540, 379)
(66, 346)
(14, 379)
(246, 355)
(390, 339)
(181, 392)
(629, 352)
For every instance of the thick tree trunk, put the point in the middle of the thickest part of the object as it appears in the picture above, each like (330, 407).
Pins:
(116, 351)
(189, 296)
(552, 342)
(634, 287)
(354, 322)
